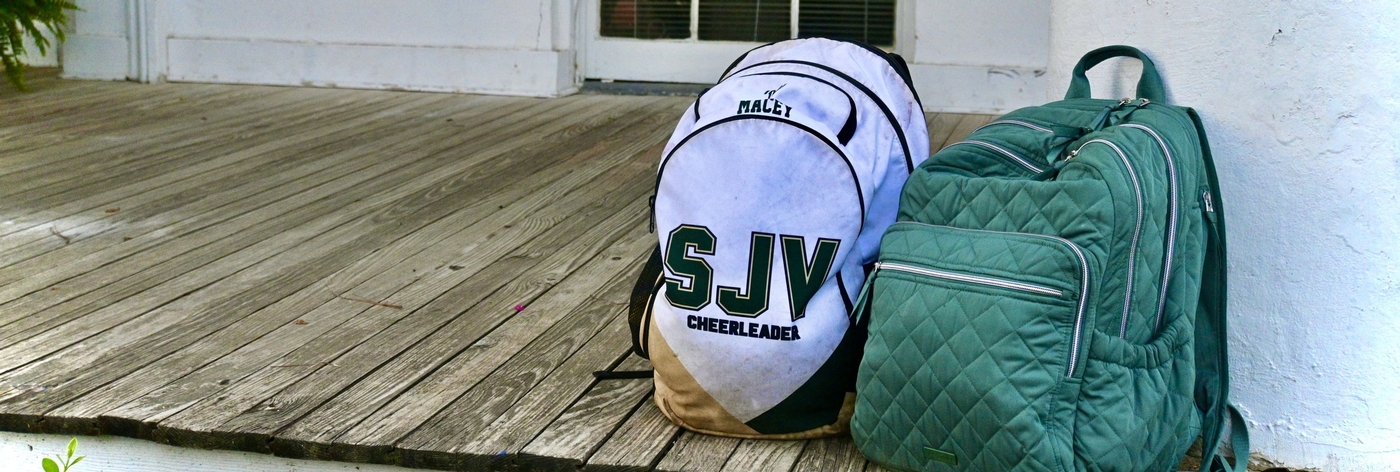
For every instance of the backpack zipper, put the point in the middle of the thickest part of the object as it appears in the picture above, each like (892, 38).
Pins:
(1137, 232)
(973, 279)
(1023, 124)
(1000, 150)
(1172, 221)
(1083, 284)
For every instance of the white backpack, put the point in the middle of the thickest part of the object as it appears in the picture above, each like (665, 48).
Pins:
(771, 198)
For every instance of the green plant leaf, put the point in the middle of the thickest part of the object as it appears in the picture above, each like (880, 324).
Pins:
(50, 465)
(76, 461)
(72, 446)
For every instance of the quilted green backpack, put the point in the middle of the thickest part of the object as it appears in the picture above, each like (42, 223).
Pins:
(1053, 296)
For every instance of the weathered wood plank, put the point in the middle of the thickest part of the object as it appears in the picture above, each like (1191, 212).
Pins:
(694, 452)
(567, 380)
(312, 436)
(491, 238)
(296, 156)
(212, 201)
(639, 443)
(940, 129)
(586, 425)
(760, 455)
(276, 324)
(67, 111)
(421, 179)
(210, 413)
(435, 443)
(177, 209)
(182, 124)
(837, 454)
(247, 294)
(148, 167)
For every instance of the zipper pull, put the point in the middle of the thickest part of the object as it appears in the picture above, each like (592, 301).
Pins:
(651, 221)
(1101, 120)
(1143, 102)
(861, 299)
(1208, 203)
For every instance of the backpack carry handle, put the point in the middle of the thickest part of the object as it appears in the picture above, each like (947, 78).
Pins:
(1149, 85)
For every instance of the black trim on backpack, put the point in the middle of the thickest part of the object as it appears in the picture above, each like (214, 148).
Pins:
(697, 102)
(845, 297)
(895, 61)
(898, 129)
(639, 310)
(848, 130)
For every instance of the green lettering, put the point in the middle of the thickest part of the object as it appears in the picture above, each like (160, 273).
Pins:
(804, 279)
(684, 239)
(732, 300)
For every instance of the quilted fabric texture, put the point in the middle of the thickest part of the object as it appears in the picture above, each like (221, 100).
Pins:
(971, 362)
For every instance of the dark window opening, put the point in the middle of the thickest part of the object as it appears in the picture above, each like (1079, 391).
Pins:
(646, 19)
(746, 20)
(869, 21)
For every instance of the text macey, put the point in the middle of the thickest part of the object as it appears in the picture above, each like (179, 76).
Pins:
(769, 105)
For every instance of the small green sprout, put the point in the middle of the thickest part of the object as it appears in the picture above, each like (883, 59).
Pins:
(51, 465)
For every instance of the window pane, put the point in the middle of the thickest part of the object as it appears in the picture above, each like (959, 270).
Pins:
(746, 20)
(646, 19)
(870, 21)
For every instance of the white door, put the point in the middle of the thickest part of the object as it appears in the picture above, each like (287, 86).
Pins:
(692, 41)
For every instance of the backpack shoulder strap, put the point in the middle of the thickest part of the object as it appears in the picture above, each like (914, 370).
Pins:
(1212, 353)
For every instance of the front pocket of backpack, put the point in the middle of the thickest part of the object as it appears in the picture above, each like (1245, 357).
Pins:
(1137, 410)
(973, 340)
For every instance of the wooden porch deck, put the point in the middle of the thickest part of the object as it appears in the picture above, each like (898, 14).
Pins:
(388, 277)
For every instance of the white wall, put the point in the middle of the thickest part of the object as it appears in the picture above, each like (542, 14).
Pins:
(985, 56)
(97, 46)
(32, 58)
(505, 47)
(1302, 105)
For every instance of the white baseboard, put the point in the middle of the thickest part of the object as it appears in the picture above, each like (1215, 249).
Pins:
(977, 89)
(95, 57)
(425, 68)
(22, 452)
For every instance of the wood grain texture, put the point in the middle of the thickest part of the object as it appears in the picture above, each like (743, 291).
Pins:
(571, 438)
(332, 274)
(830, 455)
(758, 455)
(639, 443)
(694, 452)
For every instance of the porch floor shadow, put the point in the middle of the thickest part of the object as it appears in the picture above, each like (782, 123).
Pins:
(419, 279)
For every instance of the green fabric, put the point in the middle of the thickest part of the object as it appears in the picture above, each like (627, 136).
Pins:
(1149, 85)
(988, 342)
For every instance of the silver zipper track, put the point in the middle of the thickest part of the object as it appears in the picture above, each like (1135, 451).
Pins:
(974, 279)
(1137, 233)
(1172, 222)
(1019, 160)
(1023, 124)
(1083, 284)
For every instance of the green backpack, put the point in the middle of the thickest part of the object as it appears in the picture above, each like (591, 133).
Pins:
(1053, 296)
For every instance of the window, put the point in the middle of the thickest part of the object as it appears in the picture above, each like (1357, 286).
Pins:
(870, 21)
